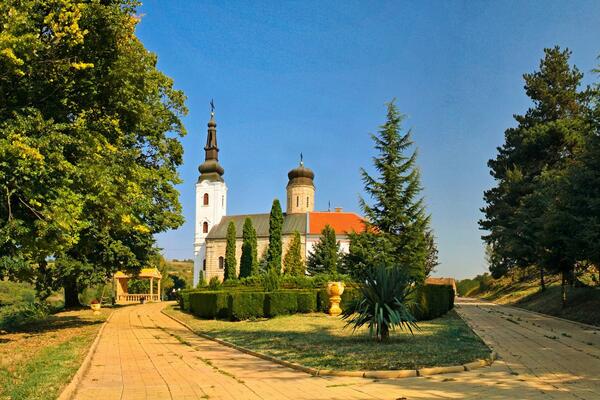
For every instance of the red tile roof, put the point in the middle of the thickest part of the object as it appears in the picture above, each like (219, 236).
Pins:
(341, 222)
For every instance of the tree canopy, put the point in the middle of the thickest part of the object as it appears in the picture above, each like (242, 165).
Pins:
(325, 254)
(538, 212)
(89, 144)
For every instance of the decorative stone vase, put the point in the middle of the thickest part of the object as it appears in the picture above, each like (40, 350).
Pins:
(95, 308)
(334, 291)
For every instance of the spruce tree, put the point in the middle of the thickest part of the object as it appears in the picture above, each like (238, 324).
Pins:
(249, 259)
(325, 254)
(292, 262)
(230, 262)
(275, 245)
(397, 212)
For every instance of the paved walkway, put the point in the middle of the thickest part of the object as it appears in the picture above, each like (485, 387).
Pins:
(143, 354)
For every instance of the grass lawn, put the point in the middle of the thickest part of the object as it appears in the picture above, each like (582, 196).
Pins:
(320, 341)
(38, 361)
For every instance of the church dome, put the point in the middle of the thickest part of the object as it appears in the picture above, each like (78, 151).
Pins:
(301, 175)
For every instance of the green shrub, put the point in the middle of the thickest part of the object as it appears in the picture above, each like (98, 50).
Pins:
(16, 316)
(322, 300)
(270, 281)
(245, 305)
(209, 304)
(307, 301)
(214, 283)
(432, 301)
(281, 302)
(349, 294)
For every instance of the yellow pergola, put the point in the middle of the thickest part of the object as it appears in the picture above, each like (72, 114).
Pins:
(121, 280)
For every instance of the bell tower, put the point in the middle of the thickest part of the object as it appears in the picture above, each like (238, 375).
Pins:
(211, 198)
(300, 189)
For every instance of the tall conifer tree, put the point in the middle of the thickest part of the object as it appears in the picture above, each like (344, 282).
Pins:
(325, 254)
(397, 212)
(525, 212)
(230, 261)
(249, 259)
(275, 245)
(292, 262)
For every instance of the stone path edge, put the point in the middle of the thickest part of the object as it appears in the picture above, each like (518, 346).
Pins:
(386, 374)
(69, 391)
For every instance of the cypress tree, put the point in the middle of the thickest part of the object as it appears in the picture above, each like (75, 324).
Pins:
(275, 246)
(292, 262)
(397, 213)
(325, 255)
(249, 259)
(230, 262)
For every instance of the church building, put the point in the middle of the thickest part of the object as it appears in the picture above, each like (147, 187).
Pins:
(212, 219)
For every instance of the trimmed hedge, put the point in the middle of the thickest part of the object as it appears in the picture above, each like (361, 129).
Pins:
(245, 305)
(210, 304)
(322, 300)
(432, 301)
(281, 302)
(307, 301)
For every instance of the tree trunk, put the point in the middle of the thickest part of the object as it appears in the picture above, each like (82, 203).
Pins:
(564, 289)
(385, 333)
(71, 293)
(542, 283)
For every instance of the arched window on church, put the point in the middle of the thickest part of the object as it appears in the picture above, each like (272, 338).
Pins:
(204, 264)
(205, 199)
(297, 201)
(221, 263)
(306, 201)
(205, 227)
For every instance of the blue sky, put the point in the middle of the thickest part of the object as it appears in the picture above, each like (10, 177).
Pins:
(313, 77)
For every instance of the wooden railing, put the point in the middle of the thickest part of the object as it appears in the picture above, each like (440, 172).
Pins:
(137, 298)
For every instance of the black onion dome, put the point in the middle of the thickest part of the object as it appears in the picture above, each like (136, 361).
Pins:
(210, 169)
(301, 175)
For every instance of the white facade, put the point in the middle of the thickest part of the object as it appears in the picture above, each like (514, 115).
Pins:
(211, 206)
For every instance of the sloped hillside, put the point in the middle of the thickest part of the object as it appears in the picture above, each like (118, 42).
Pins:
(583, 303)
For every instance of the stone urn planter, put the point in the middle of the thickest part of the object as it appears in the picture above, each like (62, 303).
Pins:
(334, 291)
(95, 306)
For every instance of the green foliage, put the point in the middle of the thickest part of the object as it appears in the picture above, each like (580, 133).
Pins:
(322, 300)
(270, 281)
(89, 144)
(397, 212)
(292, 262)
(211, 304)
(17, 316)
(307, 301)
(280, 303)
(384, 302)
(214, 283)
(325, 254)
(246, 305)
(230, 261)
(183, 299)
(536, 213)
(433, 301)
(249, 259)
(274, 250)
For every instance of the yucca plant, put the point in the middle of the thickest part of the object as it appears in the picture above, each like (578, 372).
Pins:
(383, 304)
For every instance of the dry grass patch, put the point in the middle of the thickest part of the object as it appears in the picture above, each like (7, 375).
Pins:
(38, 360)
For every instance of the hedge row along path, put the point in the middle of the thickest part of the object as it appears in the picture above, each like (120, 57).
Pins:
(143, 354)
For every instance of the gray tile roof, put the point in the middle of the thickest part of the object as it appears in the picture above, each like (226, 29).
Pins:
(291, 223)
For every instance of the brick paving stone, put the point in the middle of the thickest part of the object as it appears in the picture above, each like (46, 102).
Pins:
(143, 354)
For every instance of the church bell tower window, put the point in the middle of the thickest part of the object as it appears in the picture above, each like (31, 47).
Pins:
(205, 227)
(205, 202)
